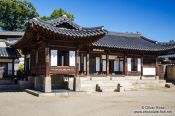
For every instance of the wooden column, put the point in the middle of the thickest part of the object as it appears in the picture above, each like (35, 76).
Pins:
(47, 58)
(81, 63)
(36, 64)
(101, 65)
(87, 65)
(125, 65)
(13, 67)
(156, 66)
(107, 64)
(25, 63)
(47, 78)
(77, 63)
(142, 65)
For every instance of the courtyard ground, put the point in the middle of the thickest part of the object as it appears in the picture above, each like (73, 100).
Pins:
(133, 103)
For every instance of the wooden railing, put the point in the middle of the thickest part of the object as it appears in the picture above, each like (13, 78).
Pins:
(66, 70)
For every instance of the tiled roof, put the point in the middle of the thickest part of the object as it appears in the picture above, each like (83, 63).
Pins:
(167, 56)
(9, 52)
(62, 20)
(3, 44)
(131, 41)
(77, 32)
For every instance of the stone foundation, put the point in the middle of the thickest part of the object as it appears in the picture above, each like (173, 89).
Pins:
(111, 84)
(47, 84)
(171, 72)
(88, 84)
(38, 83)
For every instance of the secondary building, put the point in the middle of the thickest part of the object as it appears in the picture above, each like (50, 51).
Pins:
(9, 56)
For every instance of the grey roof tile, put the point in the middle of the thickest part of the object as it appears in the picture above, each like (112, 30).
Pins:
(130, 41)
(167, 56)
(9, 52)
(77, 31)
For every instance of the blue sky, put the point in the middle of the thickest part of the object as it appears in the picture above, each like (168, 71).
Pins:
(155, 19)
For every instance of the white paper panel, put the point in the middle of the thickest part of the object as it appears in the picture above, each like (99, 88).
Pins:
(16, 68)
(112, 57)
(121, 66)
(149, 71)
(129, 64)
(139, 64)
(97, 63)
(84, 63)
(103, 57)
(9, 68)
(53, 57)
(104, 65)
(71, 58)
(116, 65)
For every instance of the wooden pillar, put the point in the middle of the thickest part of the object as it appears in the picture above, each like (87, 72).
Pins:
(36, 63)
(81, 63)
(101, 65)
(25, 63)
(156, 66)
(125, 65)
(107, 64)
(77, 63)
(142, 65)
(13, 66)
(47, 78)
(87, 64)
(47, 58)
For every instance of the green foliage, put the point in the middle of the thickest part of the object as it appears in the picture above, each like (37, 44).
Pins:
(58, 13)
(21, 67)
(14, 13)
(20, 72)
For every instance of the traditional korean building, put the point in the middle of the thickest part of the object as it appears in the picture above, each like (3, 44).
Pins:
(9, 56)
(58, 49)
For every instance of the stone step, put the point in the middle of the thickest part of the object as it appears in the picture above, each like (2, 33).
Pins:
(9, 87)
(169, 85)
(6, 82)
(162, 81)
(127, 83)
(138, 86)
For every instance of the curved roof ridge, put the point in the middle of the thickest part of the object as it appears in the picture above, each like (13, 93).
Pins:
(126, 34)
(63, 19)
(92, 28)
(150, 40)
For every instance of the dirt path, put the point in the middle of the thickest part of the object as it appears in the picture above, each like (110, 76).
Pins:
(135, 103)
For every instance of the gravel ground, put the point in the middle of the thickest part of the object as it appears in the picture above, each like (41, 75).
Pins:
(134, 103)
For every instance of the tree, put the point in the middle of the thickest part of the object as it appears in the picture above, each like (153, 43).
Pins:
(14, 13)
(58, 13)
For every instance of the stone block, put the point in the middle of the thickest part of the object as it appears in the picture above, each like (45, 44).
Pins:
(77, 84)
(47, 84)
